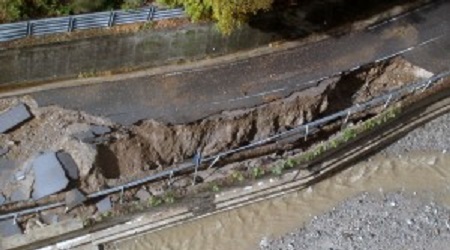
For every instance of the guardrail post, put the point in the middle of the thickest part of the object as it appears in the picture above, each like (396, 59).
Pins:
(214, 162)
(70, 24)
(15, 219)
(112, 14)
(29, 28)
(426, 86)
(197, 162)
(122, 189)
(170, 178)
(306, 132)
(151, 13)
(387, 101)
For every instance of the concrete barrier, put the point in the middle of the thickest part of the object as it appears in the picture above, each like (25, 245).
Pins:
(147, 48)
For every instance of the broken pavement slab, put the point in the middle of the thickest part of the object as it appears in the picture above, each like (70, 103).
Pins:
(104, 205)
(2, 199)
(14, 117)
(74, 198)
(9, 228)
(69, 165)
(50, 177)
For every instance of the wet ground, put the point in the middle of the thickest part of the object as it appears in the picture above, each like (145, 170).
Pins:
(398, 198)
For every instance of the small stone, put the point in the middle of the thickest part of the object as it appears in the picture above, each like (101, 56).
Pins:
(49, 218)
(104, 205)
(143, 195)
(99, 130)
(9, 228)
(14, 117)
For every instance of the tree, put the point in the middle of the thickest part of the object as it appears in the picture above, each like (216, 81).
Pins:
(10, 10)
(228, 14)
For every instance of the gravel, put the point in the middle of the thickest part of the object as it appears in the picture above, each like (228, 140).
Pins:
(397, 220)
(433, 136)
(369, 221)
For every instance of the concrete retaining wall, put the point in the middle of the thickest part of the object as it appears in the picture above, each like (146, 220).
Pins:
(143, 49)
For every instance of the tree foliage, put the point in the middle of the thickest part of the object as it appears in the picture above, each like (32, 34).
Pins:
(228, 14)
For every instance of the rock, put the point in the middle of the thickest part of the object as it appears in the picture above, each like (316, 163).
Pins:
(50, 176)
(69, 165)
(143, 195)
(104, 205)
(9, 228)
(74, 198)
(14, 117)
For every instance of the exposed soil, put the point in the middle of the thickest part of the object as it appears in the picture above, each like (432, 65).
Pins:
(150, 146)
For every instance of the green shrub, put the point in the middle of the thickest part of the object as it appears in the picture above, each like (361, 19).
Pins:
(229, 14)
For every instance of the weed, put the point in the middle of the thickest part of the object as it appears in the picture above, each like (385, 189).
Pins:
(155, 201)
(278, 170)
(215, 187)
(169, 198)
(257, 172)
(238, 176)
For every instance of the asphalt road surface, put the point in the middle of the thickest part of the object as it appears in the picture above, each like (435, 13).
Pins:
(187, 96)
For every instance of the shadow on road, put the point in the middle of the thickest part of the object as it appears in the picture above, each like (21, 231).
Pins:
(294, 19)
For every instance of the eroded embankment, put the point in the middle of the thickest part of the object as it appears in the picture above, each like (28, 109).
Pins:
(152, 145)
(125, 153)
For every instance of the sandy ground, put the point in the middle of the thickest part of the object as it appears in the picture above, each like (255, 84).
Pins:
(396, 220)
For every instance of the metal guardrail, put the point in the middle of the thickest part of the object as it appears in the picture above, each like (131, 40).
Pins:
(13, 31)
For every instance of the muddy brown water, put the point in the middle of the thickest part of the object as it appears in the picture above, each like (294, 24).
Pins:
(243, 228)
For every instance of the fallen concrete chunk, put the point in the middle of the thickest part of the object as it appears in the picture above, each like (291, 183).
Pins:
(99, 130)
(104, 205)
(9, 228)
(85, 136)
(50, 177)
(74, 198)
(69, 165)
(14, 117)
(143, 195)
